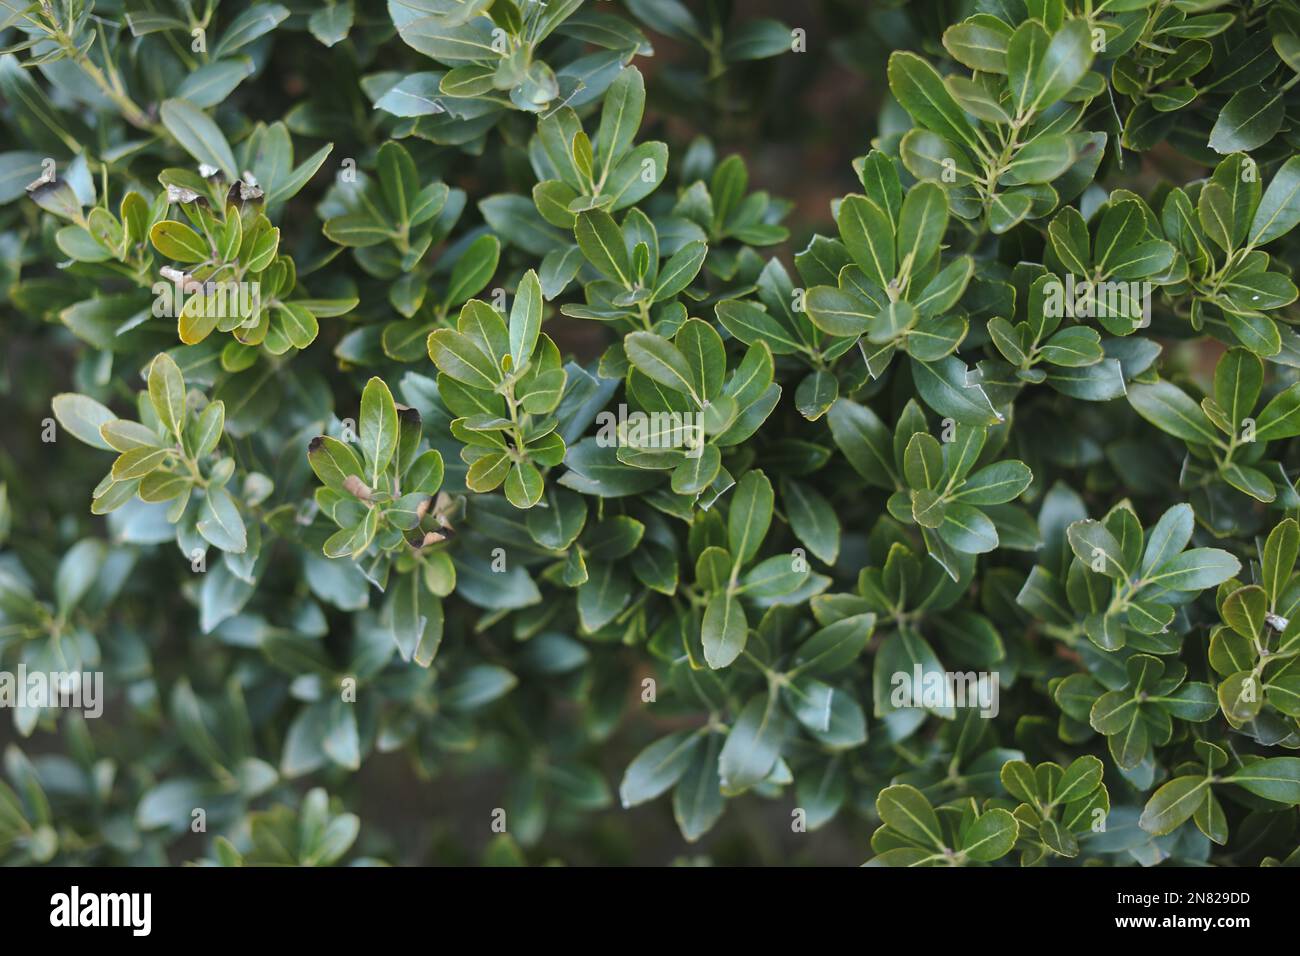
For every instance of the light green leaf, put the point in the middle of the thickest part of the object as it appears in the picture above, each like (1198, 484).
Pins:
(377, 431)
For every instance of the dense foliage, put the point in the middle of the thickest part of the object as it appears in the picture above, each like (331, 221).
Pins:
(471, 424)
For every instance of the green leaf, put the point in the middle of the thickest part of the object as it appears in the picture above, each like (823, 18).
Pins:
(1018, 779)
(1173, 804)
(922, 223)
(725, 630)
(138, 462)
(603, 596)
(1273, 778)
(980, 44)
(1068, 234)
(702, 348)
(812, 519)
(659, 360)
(753, 745)
(775, 577)
(333, 461)
(525, 319)
(967, 529)
(991, 837)
(832, 310)
(473, 269)
(83, 417)
(198, 135)
(1279, 557)
(756, 40)
(946, 386)
(179, 242)
(398, 181)
(1279, 209)
(749, 516)
(1081, 778)
(1170, 409)
(995, 484)
(1250, 119)
(1065, 61)
(920, 90)
(601, 241)
(487, 473)
(476, 687)
(1040, 161)
(698, 802)
(558, 525)
(523, 485)
(905, 810)
(377, 431)
(835, 646)
(1008, 210)
(256, 21)
(864, 440)
(330, 25)
(457, 356)
(923, 462)
(1244, 611)
(1214, 211)
(1238, 378)
(727, 188)
(1025, 52)
(1097, 548)
(77, 571)
(868, 234)
(620, 118)
(1195, 570)
(1169, 537)
(815, 394)
(1058, 839)
(220, 522)
(658, 767)
(1280, 418)
(167, 392)
(680, 270)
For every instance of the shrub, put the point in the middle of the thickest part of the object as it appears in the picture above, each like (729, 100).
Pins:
(466, 418)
